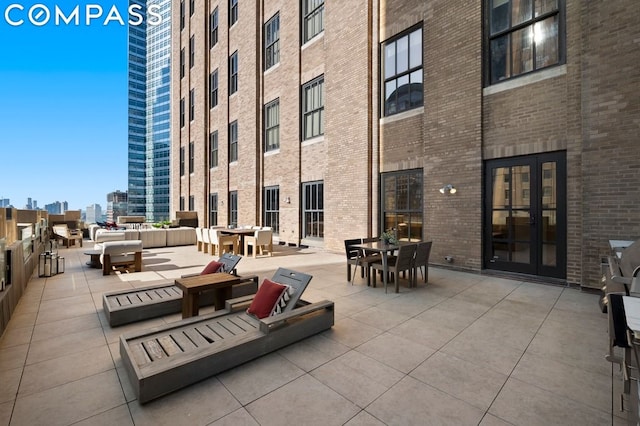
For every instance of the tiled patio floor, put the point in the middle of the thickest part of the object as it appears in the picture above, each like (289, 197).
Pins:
(464, 349)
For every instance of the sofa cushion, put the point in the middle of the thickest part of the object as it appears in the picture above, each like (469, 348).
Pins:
(153, 238)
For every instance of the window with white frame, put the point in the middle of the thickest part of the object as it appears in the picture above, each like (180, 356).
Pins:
(313, 108)
(313, 18)
(402, 72)
(272, 42)
(272, 125)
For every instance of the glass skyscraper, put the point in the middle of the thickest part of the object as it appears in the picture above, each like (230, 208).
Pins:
(149, 114)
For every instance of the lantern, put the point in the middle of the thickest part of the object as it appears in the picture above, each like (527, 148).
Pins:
(48, 264)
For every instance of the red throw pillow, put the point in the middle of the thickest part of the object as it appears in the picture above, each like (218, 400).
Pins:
(211, 268)
(266, 298)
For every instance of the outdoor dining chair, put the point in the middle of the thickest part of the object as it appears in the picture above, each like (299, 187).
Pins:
(396, 264)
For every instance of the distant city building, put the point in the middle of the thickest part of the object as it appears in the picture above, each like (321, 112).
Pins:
(29, 205)
(56, 207)
(149, 115)
(35, 205)
(65, 206)
(117, 205)
(5, 202)
(93, 213)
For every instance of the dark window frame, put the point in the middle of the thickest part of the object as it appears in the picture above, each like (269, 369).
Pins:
(233, 141)
(213, 28)
(233, 73)
(181, 203)
(182, 159)
(233, 208)
(192, 7)
(213, 89)
(192, 51)
(213, 209)
(270, 128)
(306, 89)
(409, 208)
(233, 12)
(313, 209)
(182, 63)
(510, 32)
(182, 112)
(399, 76)
(192, 203)
(192, 154)
(271, 208)
(192, 104)
(181, 15)
(213, 149)
(310, 10)
(272, 41)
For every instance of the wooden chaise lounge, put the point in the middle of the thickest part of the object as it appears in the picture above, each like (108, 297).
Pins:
(123, 307)
(166, 358)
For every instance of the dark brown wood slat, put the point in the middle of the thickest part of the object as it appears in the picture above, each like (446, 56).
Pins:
(195, 337)
(183, 341)
(169, 346)
(154, 349)
(140, 356)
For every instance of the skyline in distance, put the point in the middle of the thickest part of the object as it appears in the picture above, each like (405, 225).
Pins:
(63, 108)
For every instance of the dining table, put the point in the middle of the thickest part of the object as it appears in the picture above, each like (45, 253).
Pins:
(383, 249)
(242, 232)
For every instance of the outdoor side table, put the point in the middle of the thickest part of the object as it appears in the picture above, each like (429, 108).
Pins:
(191, 287)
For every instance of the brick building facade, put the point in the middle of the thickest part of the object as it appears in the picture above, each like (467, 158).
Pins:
(338, 120)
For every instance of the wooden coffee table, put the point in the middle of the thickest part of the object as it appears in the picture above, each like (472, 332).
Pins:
(191, 287)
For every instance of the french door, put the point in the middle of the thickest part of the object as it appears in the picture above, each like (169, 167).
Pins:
(525, 220)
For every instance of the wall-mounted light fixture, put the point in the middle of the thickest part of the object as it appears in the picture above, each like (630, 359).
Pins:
(287, 200)
(448, 189)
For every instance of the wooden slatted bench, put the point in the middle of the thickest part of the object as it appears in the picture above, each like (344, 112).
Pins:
(124, 307)
(167, 358)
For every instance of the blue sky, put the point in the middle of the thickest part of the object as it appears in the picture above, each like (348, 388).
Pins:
(63, 106)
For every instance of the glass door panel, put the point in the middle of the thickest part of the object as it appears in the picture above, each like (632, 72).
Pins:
(525, 215)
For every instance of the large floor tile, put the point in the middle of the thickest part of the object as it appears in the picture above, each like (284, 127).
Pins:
(351, 333)
(311, 353)
(254, 379)
(411, 402)
(199, 404)
(357, 377)
(523, 404)
(6, 409)
(55, 347)
(455, 314)
(70, 402)
(58, 371)
(240, 417)
(380, 318)
(9, 382)
(584, 386)
(462, 379)
(305, 401)
(424, 334)
(16, 337)
(364, 419)
(65, 327)
(13, 357)
(119, 416)
(396, 351)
